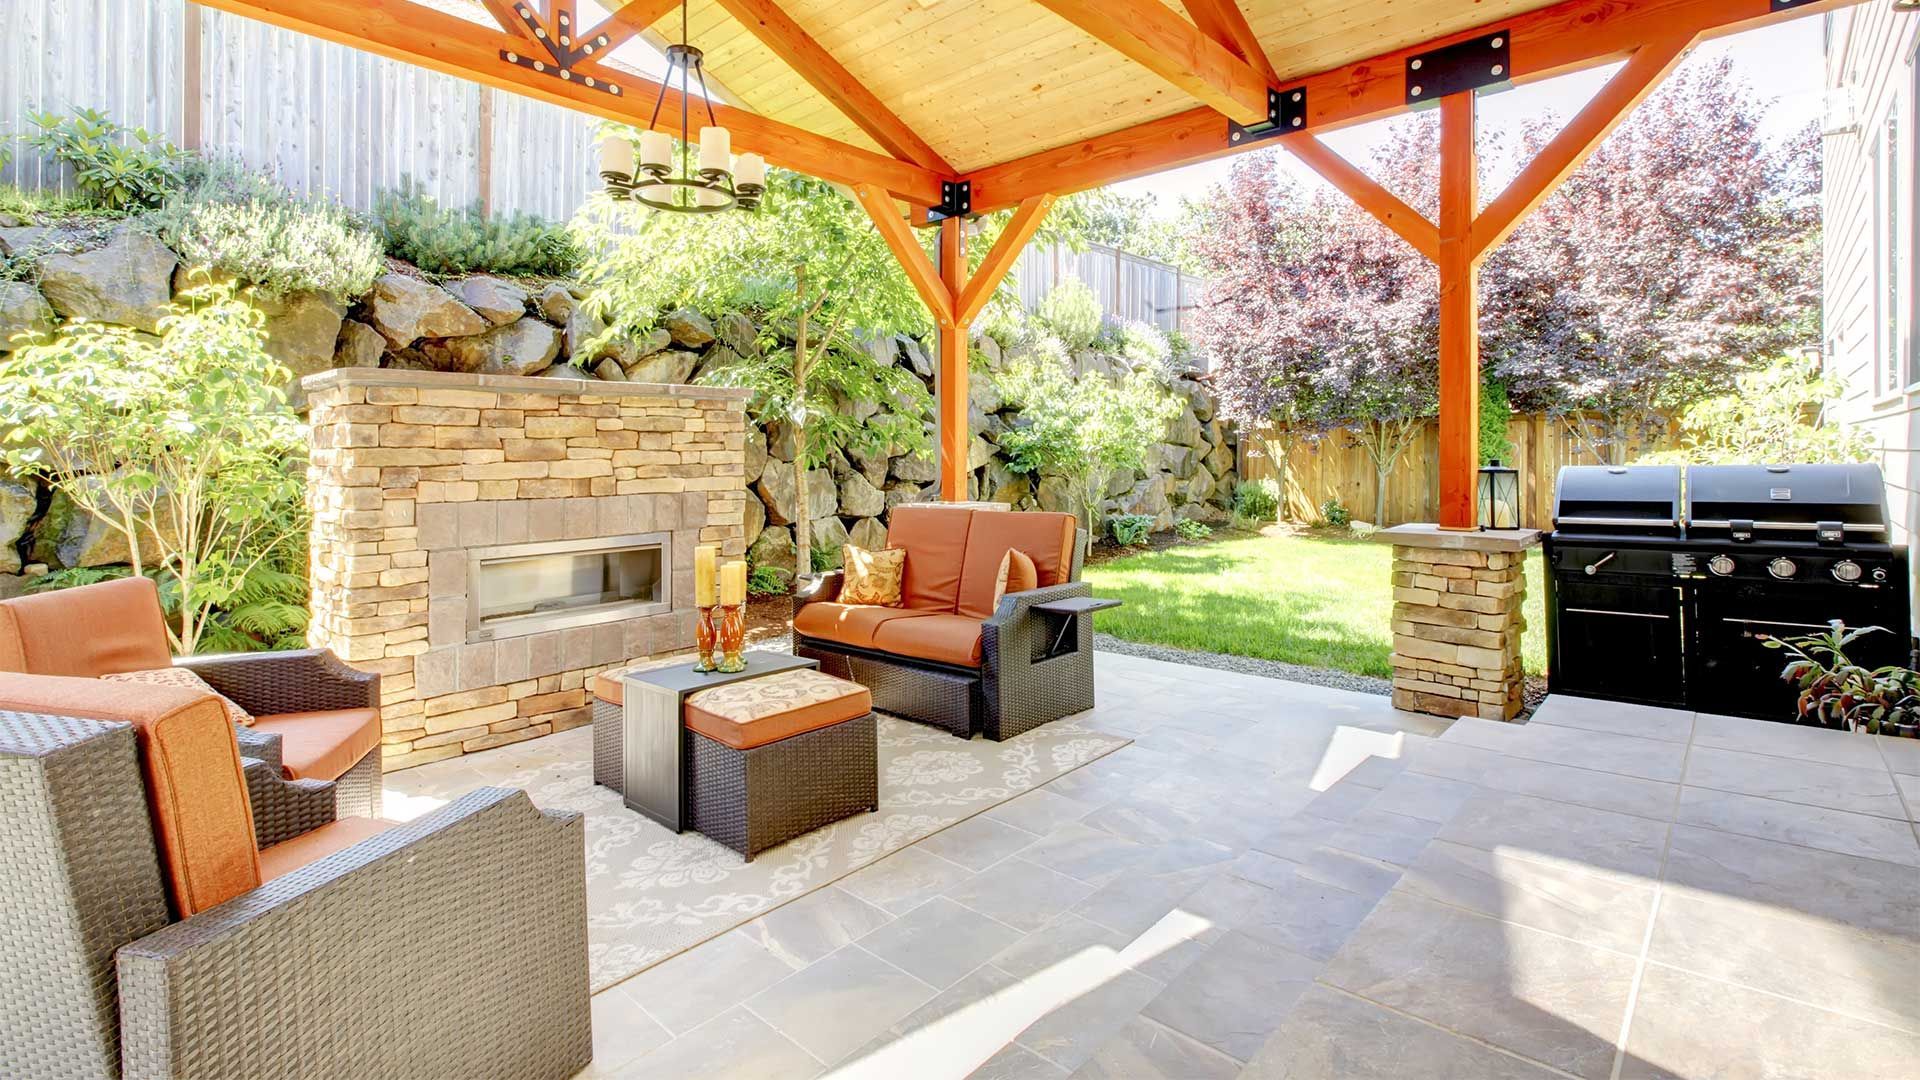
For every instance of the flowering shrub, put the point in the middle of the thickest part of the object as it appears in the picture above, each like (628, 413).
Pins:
(1073, 313)
(244, 224)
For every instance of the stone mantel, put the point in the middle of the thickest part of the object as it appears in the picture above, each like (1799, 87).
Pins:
(1433, 536)
(540, 384)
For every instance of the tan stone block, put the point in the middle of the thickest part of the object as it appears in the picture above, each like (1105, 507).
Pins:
(488, 742)
(436, 416)
(458, 399)
(394, 762)
(1494, 660)
(1500, 590)
(536, 704)
(559, 427)
(1416, 597)
(534, 449)
(444, 738)
(509, 470)
(502, 418)
(359, 414)
(461, 491)
(546, 489)
(405, 435)
(1485, 605)
(1430, 650)
(486, 714)
(402, 576)
(578, 469)
(499, 490)
(466, 438)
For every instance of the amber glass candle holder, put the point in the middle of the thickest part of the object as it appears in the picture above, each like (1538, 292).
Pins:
(733, 637)
(704, 636)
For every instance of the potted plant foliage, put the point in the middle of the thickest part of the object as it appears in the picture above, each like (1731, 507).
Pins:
(1836, 692)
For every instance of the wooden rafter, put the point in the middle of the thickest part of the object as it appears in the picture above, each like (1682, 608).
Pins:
(626, 22)
(1151, 35)
(507, 14)
(1001, 258)
(1404, 220)
(1223, 21)
(420, 35)
(906, 248)
(1568, 36)
(799, 51)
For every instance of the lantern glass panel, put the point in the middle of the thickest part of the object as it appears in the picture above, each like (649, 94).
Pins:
(1499, 497)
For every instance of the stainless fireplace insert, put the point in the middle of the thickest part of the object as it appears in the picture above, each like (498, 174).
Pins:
(515, 589)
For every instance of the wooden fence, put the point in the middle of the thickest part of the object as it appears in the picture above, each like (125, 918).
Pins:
(1332, 467)
(1130, 287)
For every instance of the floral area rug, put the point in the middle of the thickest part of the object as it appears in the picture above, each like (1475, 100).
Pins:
(651, 894)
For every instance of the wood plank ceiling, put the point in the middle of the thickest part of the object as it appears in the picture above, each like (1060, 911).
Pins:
(986, 81)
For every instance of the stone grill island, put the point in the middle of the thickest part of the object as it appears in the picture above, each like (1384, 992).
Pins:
(486, 543)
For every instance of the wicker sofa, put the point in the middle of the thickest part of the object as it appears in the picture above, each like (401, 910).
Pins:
(144, 933)
(948, 656)
(316, 720)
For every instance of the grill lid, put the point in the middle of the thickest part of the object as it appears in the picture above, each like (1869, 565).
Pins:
(1617, 500)
(1830, 503)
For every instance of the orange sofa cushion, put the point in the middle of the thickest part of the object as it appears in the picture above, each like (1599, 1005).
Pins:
(196, 791)
(1046, 538)
(848, 624)
(290, 855)
(322, 745)
(935, 538)
(756, 712)
(85, 632)
(949, 639)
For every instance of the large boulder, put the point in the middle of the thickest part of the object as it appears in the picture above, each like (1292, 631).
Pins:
(737, 332)
(776, 490)
(983, 393)
(525, 347)
(499, 302)
(609, 370)
(829, 540)
(17, 504)
(1057, 494)
(1197, 488)
(405, 309)
(672, 366)
(1003, 485)
(859, 498)
(872, 463)
(127, 282)
(358, 345)
(979, 452)
(1202, 402)
(756, 455)
(920, 468)
(1148, 497)
(989, 351)
(68, 536)
(756, 518)
(689, 328)
(916, 357)
(780, 444)
(1220, 458)
(303, 330)
(868, 533)
(1180, 461)
(22, 311)
(773, 547)
(903, 494)
(1185, 429)
(555, 304)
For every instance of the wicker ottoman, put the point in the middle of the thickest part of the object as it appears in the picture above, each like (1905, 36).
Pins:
(773, 758)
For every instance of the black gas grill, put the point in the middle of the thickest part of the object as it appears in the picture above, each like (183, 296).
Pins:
(1661, 585)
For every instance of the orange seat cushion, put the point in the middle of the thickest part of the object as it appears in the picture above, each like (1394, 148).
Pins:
(290, 855)
(85, 632)
(935, 539)
(610, 685)
(1046, 538)
(848, 624)
(322, 745)
(196, 791)
(756, 712)
(949, 639)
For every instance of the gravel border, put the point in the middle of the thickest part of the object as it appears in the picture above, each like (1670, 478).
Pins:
(1246, 665)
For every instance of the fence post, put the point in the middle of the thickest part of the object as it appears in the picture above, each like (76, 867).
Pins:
(190, 77)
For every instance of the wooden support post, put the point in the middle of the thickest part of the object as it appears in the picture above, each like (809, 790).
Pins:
(951, 374)
(1459, 313)
(192, 78)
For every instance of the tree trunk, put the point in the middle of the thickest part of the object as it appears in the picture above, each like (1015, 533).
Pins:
(1380, 495)
(802, 528)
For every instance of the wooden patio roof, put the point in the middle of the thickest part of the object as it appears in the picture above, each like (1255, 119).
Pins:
(1026, 100)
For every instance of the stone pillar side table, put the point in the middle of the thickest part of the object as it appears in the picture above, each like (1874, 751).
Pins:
(1457, 622)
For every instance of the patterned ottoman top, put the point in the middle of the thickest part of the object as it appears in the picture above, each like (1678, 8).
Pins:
(756, 712)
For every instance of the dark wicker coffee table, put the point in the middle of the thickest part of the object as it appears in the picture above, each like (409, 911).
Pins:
(653, 747)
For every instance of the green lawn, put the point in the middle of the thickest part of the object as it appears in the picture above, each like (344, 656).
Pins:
(1304, 599)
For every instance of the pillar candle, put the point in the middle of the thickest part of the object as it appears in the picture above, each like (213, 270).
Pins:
(655, 148)
(616, 155)
(733, 583)
(706, 561)
(750, 169)
(716, 149)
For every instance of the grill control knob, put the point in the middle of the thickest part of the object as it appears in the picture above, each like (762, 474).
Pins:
(1782, 568)
(1846, 570)
(1880, 576)
(1721, 565)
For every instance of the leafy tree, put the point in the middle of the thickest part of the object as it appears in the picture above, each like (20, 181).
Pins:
(814, 273)
(1771, 414)
(183, 444)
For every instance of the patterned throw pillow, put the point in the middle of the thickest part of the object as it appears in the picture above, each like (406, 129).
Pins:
(873, 577)
(185, 678)
(1017, 574)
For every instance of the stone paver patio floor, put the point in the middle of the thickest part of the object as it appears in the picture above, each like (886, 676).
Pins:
(1281, 880)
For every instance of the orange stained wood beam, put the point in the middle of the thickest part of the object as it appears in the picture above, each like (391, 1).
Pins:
(1568, 36)
(1000, 259)
(1459, 313)
(956, 438)
(420, 35)
(1223, 21)
(1376, 200)
(624, 23)
(1576, 142)
(1151, 35)
(797, 48)
(921, 271)
(507, 14)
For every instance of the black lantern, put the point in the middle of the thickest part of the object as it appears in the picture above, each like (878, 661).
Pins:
(1499, 496)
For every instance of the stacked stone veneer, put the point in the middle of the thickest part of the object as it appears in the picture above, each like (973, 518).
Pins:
(1457, 623)
(411, 469)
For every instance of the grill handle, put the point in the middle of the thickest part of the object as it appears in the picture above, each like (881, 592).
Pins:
(1619, 522)
(1593, 567)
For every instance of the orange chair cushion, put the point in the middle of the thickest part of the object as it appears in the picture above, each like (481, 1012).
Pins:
(196, 791)
(322, 745)
(848, 624)
(290, 855)
(935, 539)
(756, 712)
(85, 632)
(183, 677)
(949, 639)
(610, 685)
(1047, 538)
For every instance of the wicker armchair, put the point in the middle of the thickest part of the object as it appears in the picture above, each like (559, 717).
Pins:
(1019, 681)
(451, 946)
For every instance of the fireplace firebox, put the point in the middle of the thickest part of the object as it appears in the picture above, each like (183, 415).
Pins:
(517, 589)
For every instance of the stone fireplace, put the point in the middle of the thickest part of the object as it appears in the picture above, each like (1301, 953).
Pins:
(487, 543)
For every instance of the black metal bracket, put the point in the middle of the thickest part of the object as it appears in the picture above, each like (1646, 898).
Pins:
(1286, 111)
(564, 73)
(560, 56)
(956, 201)
(1477, 64)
